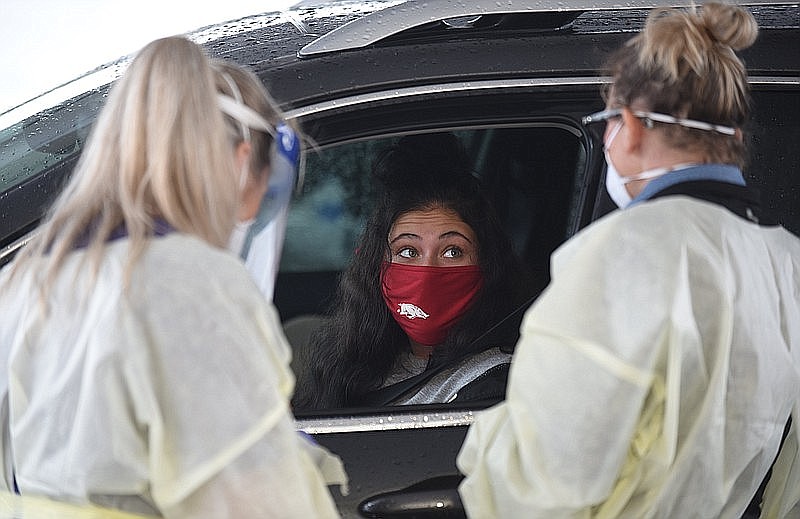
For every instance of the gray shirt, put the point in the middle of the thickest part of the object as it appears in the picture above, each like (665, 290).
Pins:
(444, 386)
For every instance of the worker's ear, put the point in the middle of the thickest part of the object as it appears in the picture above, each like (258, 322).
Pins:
(243, 153)
(635, 130)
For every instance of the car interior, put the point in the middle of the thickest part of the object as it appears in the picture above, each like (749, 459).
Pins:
(532, 172)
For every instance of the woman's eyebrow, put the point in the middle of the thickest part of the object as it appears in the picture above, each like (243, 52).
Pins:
(443, 236)
(408, 235)
(450, 234)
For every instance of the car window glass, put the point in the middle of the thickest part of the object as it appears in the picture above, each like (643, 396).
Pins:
(775, 156)
(37, 143)
(37, 154)
(518, 166)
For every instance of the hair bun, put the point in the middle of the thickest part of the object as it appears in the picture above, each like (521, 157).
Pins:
(730, 25)
(427, 160)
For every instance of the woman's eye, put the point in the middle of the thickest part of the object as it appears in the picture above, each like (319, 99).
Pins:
(453, 252)
(407, 252)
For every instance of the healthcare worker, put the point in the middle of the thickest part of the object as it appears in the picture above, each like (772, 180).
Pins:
(656, 375)
(141, 369)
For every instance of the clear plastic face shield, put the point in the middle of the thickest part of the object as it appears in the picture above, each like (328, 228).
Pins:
(259, 242)
(263, 243)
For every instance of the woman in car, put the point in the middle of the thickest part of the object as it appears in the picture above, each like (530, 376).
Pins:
(141, 368)
(656, 375)
(432, 274)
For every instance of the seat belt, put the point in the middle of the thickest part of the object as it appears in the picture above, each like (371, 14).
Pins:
(505, 331)
(754, 508)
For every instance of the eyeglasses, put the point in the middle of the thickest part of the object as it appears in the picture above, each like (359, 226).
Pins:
(649, 119)
(596, 122)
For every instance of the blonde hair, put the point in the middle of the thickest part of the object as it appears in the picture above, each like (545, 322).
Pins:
(229, 76)
(683, 64)
(158, 154)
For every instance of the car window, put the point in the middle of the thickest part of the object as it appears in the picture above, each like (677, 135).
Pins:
(533, 173)
(37, 143)
(542, 175)
(326, 219)
(36, 155)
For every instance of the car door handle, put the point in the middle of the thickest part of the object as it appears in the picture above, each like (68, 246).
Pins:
(435, 497)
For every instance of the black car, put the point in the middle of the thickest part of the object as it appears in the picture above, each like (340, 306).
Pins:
(511, 79)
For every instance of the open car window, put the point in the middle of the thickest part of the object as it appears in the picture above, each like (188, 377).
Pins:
(533, 174)
(541, 171)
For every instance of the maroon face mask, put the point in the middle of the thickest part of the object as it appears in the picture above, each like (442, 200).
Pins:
(427, 301)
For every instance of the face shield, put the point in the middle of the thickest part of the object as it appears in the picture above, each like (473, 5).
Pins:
(262, 241)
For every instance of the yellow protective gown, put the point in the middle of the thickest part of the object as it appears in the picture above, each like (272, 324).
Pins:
(168, 399)
(653, 378)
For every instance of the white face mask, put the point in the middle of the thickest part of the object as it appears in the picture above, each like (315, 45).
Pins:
(615, 184)
(263, 250)
(240, 230)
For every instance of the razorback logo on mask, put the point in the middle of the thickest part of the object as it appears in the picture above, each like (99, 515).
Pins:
(446, 293)
(411, 311)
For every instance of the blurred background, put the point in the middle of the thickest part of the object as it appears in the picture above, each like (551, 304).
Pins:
(45, 43)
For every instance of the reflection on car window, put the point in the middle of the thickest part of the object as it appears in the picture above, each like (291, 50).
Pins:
(531, 174)
(35, 144)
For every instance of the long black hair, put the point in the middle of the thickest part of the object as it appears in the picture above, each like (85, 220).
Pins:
(357, 348)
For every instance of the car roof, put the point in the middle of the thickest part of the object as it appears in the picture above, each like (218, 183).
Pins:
(353, 48)
(399, 17)
(324, 50)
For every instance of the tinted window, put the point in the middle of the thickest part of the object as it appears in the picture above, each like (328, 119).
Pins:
(775, 155)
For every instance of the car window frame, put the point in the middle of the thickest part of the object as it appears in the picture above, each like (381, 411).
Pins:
(313, 118)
